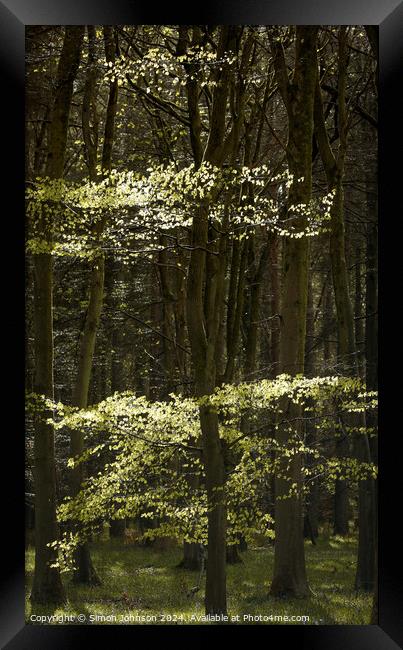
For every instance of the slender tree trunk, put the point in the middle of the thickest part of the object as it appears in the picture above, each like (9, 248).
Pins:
(47, 585)
(312, 497)
(205, 293)
(117, 528)
(169, 356)
(191, 551)
(85, 571)
(252, 329)
(237, 304)
(334, 168)
(213, 456)
(118, 377)
(274, 342)
(216, 596)
(366, 575)
(252, 338)
(180, 324)
(346, 350)
(289, 578)
(233, 556)
(191, 557)
(327, 327)
(358, 315)
(345, 341)
(275, 291)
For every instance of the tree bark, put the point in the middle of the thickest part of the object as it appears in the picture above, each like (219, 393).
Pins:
(312, 497)
(289, 578)
(47, 585)
(358, 315)
(205, 289)
(334, 168)
(85, 572)
(366, 575)
(234, 323)
(191, 557)
(275, 291)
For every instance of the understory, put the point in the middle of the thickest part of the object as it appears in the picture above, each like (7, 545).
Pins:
(141, 585)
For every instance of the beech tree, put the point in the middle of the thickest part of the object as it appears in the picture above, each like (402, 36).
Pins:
(47, 586)
(298, 95)
(86, 572)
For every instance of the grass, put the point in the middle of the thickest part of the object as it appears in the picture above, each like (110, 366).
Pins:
(143, 582)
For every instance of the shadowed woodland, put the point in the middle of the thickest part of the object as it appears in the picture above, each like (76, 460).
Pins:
(201, 323)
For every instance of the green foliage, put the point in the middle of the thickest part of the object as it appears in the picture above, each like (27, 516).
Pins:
(166, 198)
(152, 455)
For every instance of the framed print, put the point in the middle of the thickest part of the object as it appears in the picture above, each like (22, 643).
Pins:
(199, 225)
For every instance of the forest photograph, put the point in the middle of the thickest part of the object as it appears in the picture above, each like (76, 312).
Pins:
(201, 342)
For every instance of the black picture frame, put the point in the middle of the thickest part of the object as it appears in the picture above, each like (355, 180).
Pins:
(14, 15)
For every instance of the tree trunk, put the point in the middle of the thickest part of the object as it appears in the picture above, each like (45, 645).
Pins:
(216, 593)
(334, 168)
(233, 556)
(327, 327)
(169, 357)
(275, 291)
(252, 327)
(358, 315)
(117, 528)
(345, 341)
(312, 497)
(191, 557)
(367, 550)
(205, 293)
(341, 500)
(85, 571)
(274, 343)
(180, 325)
(47, 585)
(117, 374)
(289, 578)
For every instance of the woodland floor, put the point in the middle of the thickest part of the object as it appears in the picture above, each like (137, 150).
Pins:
(146, 582)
